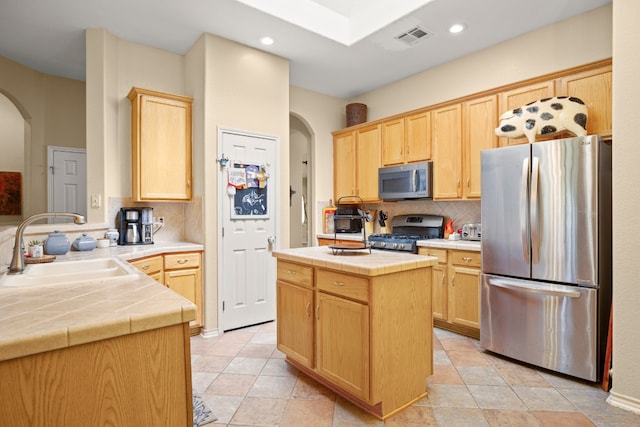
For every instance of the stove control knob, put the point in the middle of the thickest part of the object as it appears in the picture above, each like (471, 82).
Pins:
(395, 246)
(383, 244)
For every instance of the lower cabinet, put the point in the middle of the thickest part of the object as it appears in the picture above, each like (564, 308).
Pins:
(368, 338)
(182, 273)
(456, 290)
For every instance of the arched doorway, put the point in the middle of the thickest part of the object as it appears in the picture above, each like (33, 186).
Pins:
(301, 185)
(12, 146)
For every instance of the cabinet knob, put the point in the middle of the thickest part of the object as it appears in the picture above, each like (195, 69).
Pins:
(317, 312)
(291, 271)
(338, 283)
(183, 261)
(466, 259)
(145, 267)
(308, 309)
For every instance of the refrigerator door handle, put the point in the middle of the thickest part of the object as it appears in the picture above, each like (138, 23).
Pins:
(535, 212)
(523, 210)
(541, 290)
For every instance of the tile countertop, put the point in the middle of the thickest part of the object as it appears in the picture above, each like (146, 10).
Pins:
(38, 319)
(359, 261)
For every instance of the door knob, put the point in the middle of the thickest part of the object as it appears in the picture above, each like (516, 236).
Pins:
(271, 240)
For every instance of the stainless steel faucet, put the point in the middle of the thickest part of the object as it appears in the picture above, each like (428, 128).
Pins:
(17, 262)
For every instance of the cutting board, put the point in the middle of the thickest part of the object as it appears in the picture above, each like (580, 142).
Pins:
(41, 260)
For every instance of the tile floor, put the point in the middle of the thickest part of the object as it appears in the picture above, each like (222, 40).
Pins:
(246, 382)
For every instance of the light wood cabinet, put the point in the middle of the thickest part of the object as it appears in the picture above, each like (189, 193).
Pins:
(183, 274)
(406, 139)
(446, 135)
(152, 266)
(356, 159)
(464, 287)
(160, 146)
(520, 96)
(456, 290)
(594, 88)
(480, 116)
(372, 337)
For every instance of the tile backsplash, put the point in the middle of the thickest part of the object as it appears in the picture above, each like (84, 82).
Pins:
(462, 212)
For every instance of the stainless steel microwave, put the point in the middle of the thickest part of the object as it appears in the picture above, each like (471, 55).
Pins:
(410, 181)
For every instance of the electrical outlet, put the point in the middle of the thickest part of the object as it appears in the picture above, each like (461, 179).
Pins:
(161, 220)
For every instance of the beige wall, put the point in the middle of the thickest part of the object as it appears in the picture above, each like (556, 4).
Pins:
(54, 111)
(626, 205)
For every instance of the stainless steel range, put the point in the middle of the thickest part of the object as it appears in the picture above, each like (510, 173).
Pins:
(406, 230)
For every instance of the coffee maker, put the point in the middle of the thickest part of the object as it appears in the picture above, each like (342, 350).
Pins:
(136, 226)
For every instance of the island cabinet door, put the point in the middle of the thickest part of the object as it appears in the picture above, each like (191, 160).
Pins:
(295, 322)
(342, 331)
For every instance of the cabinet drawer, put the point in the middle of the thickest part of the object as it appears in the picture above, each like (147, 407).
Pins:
(149, 266)
(343, 284)
(295, 273)
(468, 258)
(441, 254)
(183, 260)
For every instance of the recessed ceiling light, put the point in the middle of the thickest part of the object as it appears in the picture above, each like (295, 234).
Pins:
(456, 28)
(267, 41)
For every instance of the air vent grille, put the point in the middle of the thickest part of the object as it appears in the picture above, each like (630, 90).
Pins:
(413, 36)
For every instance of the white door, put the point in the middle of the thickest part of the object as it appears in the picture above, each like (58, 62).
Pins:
(67, 190)
(249, 217)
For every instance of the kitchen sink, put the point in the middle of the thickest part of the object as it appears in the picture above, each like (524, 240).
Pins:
(65, 272)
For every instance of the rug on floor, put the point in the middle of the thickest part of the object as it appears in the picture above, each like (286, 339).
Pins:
(201, 413)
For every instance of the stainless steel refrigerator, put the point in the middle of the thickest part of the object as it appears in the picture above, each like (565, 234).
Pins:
(546, 254)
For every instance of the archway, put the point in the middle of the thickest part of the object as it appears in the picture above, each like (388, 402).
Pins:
(301, 185)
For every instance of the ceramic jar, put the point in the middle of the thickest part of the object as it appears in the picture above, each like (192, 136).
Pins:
(84, 243)
(57, 244)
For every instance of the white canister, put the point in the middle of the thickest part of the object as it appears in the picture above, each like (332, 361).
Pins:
(103, 243)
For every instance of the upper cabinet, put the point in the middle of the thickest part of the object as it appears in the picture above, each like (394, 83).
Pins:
(446, 134)
(594, 88)
(406, 139)
(160, 146)
(520, 96)
(356, 159)
(479, 117)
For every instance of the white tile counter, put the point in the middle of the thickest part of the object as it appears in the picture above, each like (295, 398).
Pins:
(466, 245)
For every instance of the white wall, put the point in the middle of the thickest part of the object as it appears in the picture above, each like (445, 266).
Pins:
(626, 205)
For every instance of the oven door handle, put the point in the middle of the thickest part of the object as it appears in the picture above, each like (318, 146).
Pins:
(530, 288)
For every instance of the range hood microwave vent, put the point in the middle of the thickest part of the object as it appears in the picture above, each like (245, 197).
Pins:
(413, 36)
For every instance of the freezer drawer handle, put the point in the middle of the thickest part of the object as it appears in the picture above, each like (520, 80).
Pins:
(534, 290)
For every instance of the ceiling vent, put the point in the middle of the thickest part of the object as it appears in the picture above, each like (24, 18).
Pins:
(413, 36)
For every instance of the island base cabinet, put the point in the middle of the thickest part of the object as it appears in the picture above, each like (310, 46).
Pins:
(140, 379)
(295, 322)
(343, 343)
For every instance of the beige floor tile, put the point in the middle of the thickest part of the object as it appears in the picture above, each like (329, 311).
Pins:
(541, 398)
(257, 350)
(236, 337)
(346, 414)
(522, 376)
(211, 363)
(278, 367)
(224, 407)
(511, 418)
(200, 381)
(259, 411)
(450, 395)
(269, 386)
(308, 413)
(467, 358)
(224, 349)
(483, 375)
(413, 416)
(496, 397)
(457, 344)
(231, 385)
(309, 389)
(452, 417)
(444, 374)
(245, 365)
(562, 419)
(440, 357)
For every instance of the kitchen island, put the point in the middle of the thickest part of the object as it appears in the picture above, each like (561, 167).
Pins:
(112, 352)
(358, 322)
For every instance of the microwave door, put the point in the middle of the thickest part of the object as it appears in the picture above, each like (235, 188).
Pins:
(396, 185)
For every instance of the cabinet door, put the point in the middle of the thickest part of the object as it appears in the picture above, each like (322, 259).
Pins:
(188, 283)
(439, 291)
(464, 296)
(367, 162)
(344, 165)
(160, 146)
(521, 96)
(418, 138)
(295, 322)
(594, 88)
(393, 150)
(480, 119)
(447, 151)
(342, 334)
